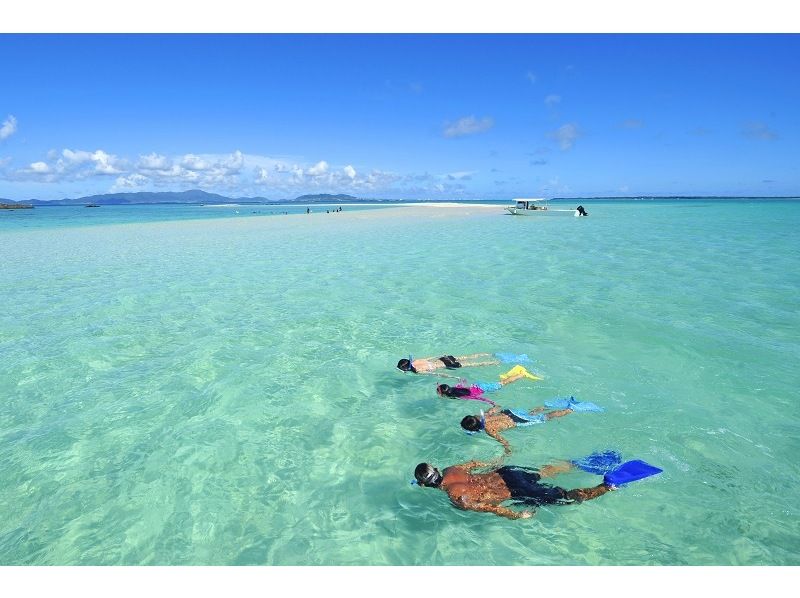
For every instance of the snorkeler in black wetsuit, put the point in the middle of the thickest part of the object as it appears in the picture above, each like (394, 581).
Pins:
(486, 491)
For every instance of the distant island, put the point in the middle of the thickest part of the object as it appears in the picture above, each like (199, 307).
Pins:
(196, 196)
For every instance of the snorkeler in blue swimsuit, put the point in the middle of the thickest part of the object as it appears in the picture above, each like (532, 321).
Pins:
(496, 420)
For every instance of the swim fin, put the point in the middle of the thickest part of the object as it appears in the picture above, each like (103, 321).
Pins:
(630, 471)
(599, 463)
(489, 386)
(572, 403)
(513, 358)
(517, 370)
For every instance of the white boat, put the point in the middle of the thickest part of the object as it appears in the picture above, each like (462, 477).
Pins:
(527, 206)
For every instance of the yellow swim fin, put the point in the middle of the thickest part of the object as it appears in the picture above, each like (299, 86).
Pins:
(516, 371)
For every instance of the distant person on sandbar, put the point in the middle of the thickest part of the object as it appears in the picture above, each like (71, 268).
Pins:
(497, 419)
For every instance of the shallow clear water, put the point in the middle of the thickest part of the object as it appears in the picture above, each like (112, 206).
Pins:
(62, 216)
(223, 391)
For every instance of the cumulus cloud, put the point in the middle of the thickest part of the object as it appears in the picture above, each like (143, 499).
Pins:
(552, 99)
(262, 176)
(229, 173)
(105, 163)
(759, 130)
(566, 135)
(195, 163)
(154, 162)
(130, 182)
(468, 125)
(319, 169)
(9, 127)
(632, 123)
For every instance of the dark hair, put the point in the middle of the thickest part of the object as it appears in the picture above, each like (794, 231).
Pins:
(426, 475)
(451, 391)
(471, 423)
(404, 365)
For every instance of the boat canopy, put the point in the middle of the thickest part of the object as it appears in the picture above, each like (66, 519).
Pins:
(529, 203)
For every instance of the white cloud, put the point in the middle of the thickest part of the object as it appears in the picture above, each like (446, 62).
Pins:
(68, 157)
(552, 99)
(105, 163)
(154, 162)
(468, 125)
(566, 135)
(195, 163)
(9, 127)
(530, 77)
(133, 181)
(234, 173)
(319, 169)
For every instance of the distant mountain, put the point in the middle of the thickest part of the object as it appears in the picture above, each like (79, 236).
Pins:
(325, 197)
(194, 196)
(144, 197)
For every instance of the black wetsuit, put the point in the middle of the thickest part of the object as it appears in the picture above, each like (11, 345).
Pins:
(523, 483)
(514, 417)
(449, 362)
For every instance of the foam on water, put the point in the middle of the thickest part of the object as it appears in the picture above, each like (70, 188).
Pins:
(224, 392)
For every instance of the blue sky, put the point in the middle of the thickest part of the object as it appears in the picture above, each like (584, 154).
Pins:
(446, 116)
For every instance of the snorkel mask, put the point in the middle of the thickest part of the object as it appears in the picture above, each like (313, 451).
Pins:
(482, 426)
(409, 367)
(433, 479)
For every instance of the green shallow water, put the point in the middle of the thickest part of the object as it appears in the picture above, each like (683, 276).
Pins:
(224, 392)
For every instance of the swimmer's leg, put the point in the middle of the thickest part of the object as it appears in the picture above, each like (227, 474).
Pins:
(477, 360)
(582, 494)
(548, 471)
(559, 413)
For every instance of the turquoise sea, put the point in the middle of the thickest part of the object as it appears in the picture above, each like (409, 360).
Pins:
(181, 388)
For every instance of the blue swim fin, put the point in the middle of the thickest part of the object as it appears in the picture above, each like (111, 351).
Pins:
(630, 471)
(573, 404)
(513, 358)
(599, 463)
(489, 386)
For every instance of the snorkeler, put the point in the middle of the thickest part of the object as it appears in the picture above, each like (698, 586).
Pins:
(475, 392)
(429, 365)
(485, 492)
(496, 420)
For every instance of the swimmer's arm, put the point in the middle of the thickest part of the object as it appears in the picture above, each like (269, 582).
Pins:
(501, 440)
(472, 465)
(496, 509)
